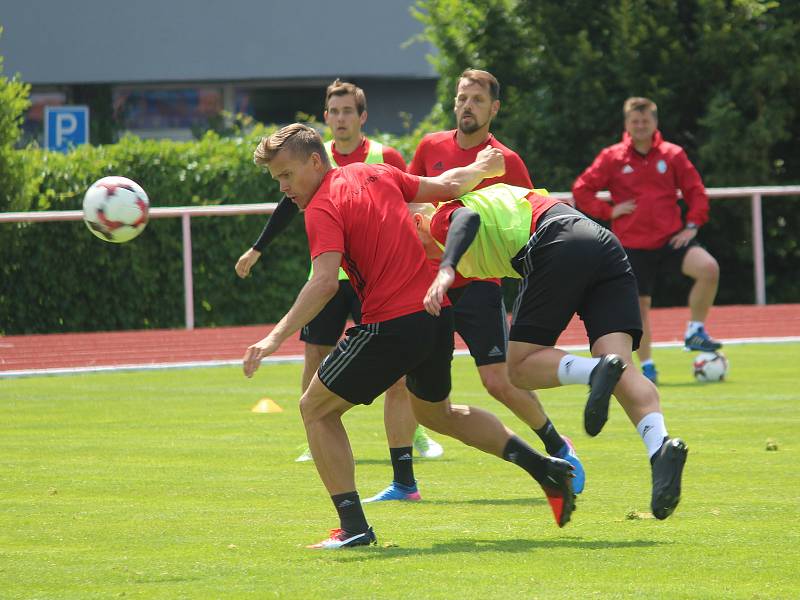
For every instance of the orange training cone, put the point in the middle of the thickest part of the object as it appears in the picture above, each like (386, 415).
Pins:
(266, 405)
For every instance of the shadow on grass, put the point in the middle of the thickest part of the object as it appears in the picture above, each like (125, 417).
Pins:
(492, 501)
(381, 461)
(478, 545)
(683, 384)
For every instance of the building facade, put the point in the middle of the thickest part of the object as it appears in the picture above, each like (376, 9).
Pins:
(170, 69)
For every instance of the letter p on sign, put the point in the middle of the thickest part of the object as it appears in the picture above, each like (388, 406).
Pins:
(65, 127)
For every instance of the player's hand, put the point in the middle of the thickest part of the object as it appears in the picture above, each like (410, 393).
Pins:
(623, 208)
(492, 161)
(246, 262)
(435, 294)
(682, 238)
(256, 352)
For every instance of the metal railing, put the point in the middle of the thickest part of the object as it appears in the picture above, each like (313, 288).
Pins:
(187, 212)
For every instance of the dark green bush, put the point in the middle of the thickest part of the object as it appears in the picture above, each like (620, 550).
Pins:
(59, 277)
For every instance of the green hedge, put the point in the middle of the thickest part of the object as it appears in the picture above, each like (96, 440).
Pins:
(58, 277)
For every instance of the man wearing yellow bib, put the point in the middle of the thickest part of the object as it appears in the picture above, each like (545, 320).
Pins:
(567, 264)
(345, 114)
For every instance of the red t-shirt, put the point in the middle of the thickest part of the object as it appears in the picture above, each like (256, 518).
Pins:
(390, 155)
(438, 152)
(361, 211)
(440, 223)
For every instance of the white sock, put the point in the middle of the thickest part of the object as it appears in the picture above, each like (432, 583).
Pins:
(649, 361)
(692, 327)
(653, 432)
(575, 369)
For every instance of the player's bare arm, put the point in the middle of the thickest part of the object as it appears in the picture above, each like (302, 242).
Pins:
(456, 182)
(310, 301)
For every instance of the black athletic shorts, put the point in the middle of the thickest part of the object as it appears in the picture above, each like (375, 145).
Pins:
(647, 264)
(327, 327)
(480, 319)
(373, 356)
(573, 265)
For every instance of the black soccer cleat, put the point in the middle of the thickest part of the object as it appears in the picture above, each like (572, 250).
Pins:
(602, 381)
(667, 473)
(557, 486)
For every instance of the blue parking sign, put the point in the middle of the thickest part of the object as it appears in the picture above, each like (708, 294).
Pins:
(65, 127)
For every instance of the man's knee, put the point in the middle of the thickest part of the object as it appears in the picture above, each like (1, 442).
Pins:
(318, 403)
(700, 265)
(429, 414)
(496, 381)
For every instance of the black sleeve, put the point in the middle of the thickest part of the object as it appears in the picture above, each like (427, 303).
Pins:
(277, 222)
(464, 224)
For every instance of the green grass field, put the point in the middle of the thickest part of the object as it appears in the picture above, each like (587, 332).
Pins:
(166, 485)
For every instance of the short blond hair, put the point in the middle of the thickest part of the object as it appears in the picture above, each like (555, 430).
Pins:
(301, 140)
(424, 209)
(641, 104)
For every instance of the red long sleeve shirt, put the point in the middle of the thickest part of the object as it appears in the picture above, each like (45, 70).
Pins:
(652, 181)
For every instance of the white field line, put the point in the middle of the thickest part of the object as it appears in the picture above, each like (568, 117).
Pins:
(299, 358)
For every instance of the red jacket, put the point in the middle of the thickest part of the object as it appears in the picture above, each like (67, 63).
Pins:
(652, 181)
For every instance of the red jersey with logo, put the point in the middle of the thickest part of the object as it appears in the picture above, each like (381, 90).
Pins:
(440, 222)
(390, 155)
(438, 152)
(652, 181)
(361, 211)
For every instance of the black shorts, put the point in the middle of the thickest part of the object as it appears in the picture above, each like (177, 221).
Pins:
(373, 356)
(573, 265)
(480, 319)
(327, 327)
(647, 264)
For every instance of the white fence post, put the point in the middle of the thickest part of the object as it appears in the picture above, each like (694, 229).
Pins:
(188, 283)
(758, 250)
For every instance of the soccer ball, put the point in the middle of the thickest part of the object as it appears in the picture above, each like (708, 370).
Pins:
(710, 366)
(115, 209)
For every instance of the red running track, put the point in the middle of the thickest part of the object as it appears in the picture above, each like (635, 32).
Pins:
(151, 347)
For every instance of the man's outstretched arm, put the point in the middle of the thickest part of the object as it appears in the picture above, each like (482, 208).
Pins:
(276, 223)
(464, 224)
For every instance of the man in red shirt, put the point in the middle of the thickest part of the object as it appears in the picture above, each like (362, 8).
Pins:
(642, 172)
(479, 311)
(345, 114)
(357, 217)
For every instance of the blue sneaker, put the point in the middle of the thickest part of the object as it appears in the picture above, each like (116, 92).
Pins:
(701, 342)
(396, 491)
(649, 371)
(568, 454)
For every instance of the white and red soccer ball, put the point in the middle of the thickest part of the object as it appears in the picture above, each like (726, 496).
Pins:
(116, 209)
(710, 366)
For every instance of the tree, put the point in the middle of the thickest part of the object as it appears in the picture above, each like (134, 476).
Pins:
(13, 104)
(724, 73)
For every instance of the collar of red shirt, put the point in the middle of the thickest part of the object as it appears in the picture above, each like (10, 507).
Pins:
(626, 139)
(482, 146)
